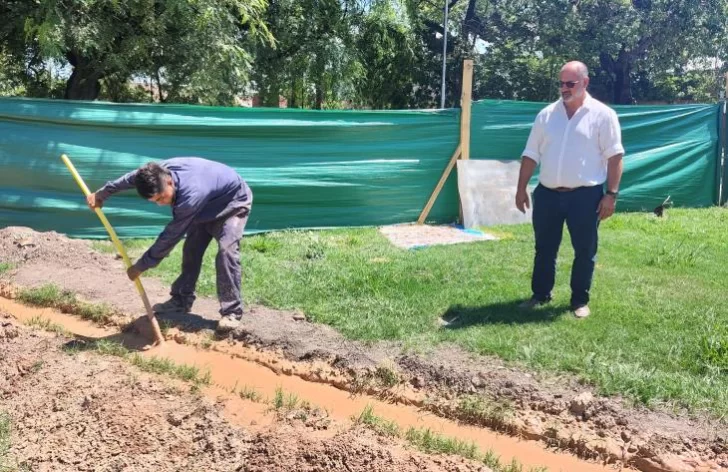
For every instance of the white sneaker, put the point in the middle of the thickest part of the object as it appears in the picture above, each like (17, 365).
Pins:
(582, 312)
(227, 323)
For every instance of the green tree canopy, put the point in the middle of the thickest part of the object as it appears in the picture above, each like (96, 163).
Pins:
(196, 46)
(359, 53)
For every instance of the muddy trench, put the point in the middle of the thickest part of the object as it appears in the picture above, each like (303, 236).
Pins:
(231, 370)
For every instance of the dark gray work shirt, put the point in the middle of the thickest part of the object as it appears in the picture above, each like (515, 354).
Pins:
(204, 191)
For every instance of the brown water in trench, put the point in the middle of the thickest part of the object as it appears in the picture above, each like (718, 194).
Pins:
(229, 371)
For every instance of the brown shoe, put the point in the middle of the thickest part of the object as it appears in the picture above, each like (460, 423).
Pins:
(532, 303)
(582, 312)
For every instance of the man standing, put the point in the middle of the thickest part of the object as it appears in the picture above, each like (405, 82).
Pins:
(208, 200)
(577, 142)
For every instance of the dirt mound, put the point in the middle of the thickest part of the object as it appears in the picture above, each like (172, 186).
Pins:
(358, 449)
(23, 245)
(83, 412)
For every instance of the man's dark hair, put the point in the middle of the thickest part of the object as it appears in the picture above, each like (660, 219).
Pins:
(150, 180)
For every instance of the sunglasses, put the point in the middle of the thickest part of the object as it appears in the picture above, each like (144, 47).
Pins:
(570, 84)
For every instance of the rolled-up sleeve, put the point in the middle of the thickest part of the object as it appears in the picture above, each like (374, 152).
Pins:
(168, 239)
(535, 137)
(610, 136)
(125, 182)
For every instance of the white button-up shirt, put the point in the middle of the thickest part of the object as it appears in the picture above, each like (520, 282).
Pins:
(574, 152)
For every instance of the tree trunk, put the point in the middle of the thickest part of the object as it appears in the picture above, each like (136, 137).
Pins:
(271, 97)
(85, 80)
(456, 82)
(270, 93)
(623, 79)
(82, 87)
(162, 98)
(472, 23)
(620, 74)
(319, 96)
(292, 102)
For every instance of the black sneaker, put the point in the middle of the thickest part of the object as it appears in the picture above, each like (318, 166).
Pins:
(173, 305)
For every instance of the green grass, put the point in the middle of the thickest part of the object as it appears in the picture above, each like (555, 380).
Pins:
(387, 375)
(155, 365)
(130, 245)
(285, 402)
(430, 442)
(4, 441)
(5, 267)
(433, 443)
(46, 324)
(379, 425)
(250, 393)
(657, 334)
(54, 297)
(476, 409)
(6, 462)
(163, 365)
(208, 340)
(164, 326)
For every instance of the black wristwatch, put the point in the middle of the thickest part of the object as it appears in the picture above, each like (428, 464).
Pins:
(614, 194)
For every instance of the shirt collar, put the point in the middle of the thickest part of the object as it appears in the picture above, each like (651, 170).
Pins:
(175, 179)
(588, 102)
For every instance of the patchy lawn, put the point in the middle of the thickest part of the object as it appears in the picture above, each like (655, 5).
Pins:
(658, 332)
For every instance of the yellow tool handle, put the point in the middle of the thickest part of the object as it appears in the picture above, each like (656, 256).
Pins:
(119, 247)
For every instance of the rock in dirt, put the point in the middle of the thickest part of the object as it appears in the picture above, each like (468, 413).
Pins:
(477, 381)
(581, 402)
(418, 382)
(666, 463)
(8, 331)
(175, 418)
(24, 242)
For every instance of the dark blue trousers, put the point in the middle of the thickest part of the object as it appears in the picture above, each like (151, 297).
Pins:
(578, 208)
(228, 233)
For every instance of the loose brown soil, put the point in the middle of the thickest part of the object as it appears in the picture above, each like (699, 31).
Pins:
(87, 412)
(558, 411)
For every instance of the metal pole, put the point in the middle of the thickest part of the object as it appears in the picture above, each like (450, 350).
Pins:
(444, 56)
(723, 155)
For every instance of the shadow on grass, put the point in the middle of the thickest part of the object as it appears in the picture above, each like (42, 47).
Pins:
(129, 341)
(187, 322)
(458, 316)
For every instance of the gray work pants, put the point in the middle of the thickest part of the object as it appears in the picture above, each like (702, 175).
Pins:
(228, 233)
